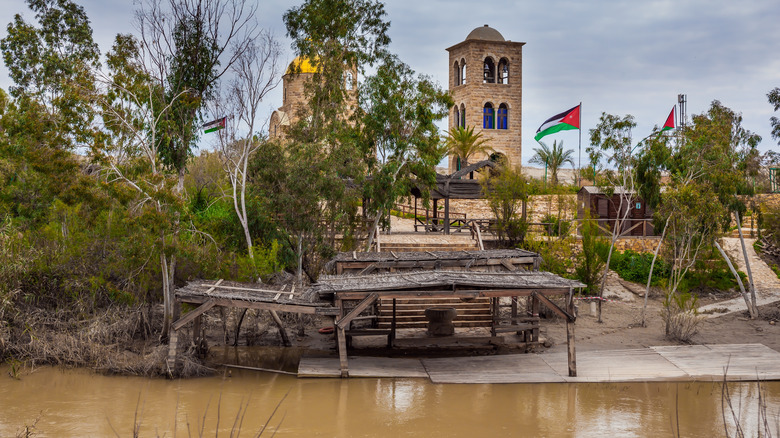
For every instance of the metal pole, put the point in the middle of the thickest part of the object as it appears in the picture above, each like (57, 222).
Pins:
(580, 151)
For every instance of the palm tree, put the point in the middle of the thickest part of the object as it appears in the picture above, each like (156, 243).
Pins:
(463, 143)
(554, 158)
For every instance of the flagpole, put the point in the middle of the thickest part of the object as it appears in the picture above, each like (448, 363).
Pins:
(579, 173)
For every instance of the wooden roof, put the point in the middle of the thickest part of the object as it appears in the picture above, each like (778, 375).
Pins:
(197, 291)
(431, 255)
(447, 280)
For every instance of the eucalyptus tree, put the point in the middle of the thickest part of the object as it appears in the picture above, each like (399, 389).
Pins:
(553, 158)
(52, 66)
(774, 99)
(612, 139)
(397, 134)
(338, 37)
(254, 74)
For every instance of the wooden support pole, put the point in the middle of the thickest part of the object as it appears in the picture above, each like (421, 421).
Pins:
(342, 347)
(514, 310)
(534, 312)
(171, 362)
(391, 337)
(572, 354)
(191, 315)
(343, 323)
(282, 330)
(447, 215)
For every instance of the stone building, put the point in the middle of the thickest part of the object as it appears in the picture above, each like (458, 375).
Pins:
(294, 100)
(486, 84)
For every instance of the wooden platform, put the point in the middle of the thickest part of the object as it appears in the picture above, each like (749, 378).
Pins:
(675, 363)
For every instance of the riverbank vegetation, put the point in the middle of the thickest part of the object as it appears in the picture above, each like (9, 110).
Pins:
(107, 204)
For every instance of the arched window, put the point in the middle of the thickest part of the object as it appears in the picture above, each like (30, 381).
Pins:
(503, 116)
(457, 73)
(463, 115)
(349, 81)
(489, 71)
(488, 116)
(456, 117)
(503, 71)
(462, 71)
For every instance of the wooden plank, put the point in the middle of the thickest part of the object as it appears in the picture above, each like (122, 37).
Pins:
(367, 301)
(361, 366)
(172, 344)
(342, 347)
(248, 289)
(738, 361)
(554, 307)
(509, 267)
(259, 305)
(194, 314)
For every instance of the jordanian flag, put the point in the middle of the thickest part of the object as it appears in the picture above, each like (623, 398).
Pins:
(569, 119)
(214, 125)
(669, 121)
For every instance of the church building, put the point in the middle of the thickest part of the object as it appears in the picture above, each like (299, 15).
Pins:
(485, 81)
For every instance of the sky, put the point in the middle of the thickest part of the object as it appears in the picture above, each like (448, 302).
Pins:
(615, 56)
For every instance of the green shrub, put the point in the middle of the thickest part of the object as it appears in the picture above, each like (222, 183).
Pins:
(635, 267)
(558, 227)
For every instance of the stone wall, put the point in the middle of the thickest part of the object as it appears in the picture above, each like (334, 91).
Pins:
(474, 94)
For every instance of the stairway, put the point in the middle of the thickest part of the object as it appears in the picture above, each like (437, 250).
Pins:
(410, 312)
(460, 245)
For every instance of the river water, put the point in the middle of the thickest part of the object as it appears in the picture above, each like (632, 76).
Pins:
(82, 403)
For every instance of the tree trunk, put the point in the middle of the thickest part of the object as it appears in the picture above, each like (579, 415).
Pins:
(750, 308)
(747, 266)
(167, 306)
(652, 265)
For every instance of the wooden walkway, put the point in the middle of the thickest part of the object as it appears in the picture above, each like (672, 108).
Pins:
(741, 362)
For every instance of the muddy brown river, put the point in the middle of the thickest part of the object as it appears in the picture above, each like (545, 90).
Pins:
(77, 403)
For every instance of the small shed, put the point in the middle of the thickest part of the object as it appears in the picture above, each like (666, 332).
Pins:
(609, 210)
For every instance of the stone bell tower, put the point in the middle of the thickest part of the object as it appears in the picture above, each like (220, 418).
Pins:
(486, 84)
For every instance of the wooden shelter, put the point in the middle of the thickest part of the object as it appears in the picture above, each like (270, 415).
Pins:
(362, 263)
(459, 185)
(353, 295)
(610, 210)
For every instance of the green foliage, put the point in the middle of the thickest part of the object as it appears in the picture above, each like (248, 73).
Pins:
(557, 227)
(612, 136)
(589, 263)
(52, 67)
(505, 193)
(538, 187)
(774, 99)
(557, 254)
(634, 266)
(463, 143)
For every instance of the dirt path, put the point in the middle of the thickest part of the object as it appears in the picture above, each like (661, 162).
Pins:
(766, 281)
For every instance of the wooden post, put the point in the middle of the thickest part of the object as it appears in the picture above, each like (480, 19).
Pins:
(171, 362)
(282, 330)
(447, 215)
(570, 342)
(435, 220)
(494, 312)
(535, 312)
(342, 346)
(391, 337)
(514, 311)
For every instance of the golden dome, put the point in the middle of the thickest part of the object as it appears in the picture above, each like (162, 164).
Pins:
(303, 64)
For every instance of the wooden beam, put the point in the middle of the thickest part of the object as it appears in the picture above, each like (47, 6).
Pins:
(554, 307)
(571, 353)
(171, 362)
(260, 305)
(194, 314)
(342, 346)
(367, 301)
(282, 330)
(509, 267)
(248, 289)
(368, 269)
